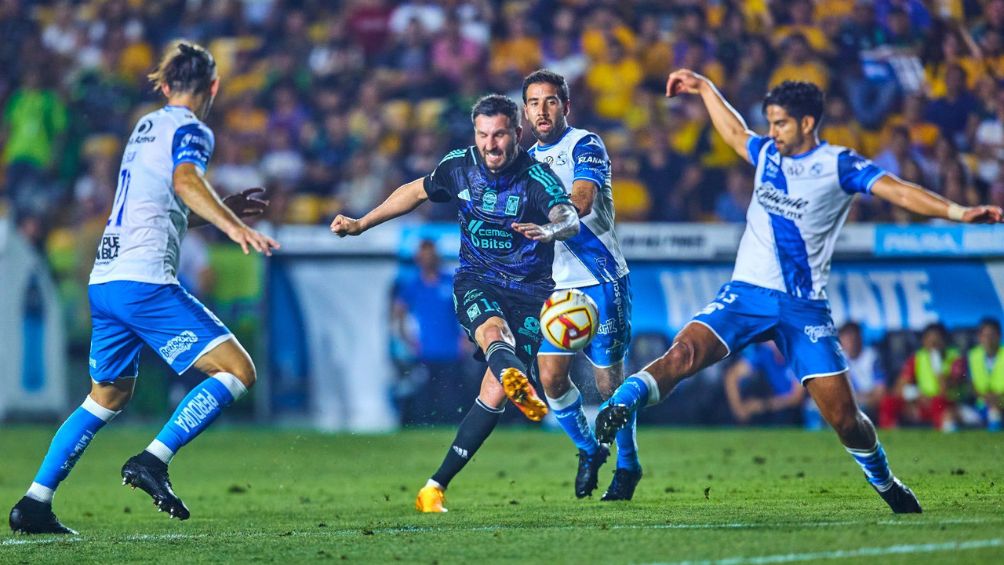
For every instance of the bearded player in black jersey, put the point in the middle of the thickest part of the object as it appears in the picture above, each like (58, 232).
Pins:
(511, 209)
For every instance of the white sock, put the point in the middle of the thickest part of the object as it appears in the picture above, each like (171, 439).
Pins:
(565, 400)
(40, 493)
(160, 451)
(432, 483)
(653, 387)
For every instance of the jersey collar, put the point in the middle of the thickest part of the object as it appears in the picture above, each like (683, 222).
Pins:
(809, 152)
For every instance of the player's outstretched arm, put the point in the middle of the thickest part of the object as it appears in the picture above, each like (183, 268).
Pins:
(194, 190)
(245, 204)
(727, 121)
(564, 224)
(404, 199)
(919, 200)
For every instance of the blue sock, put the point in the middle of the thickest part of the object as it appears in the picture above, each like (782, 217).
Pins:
(636, 391)
(627, 446)
(195, 412)
(568, 410)
(67, 446)
(874, 464)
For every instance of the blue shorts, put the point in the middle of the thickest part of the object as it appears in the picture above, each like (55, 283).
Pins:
(613, 302)
(802, 329)
(127, 314)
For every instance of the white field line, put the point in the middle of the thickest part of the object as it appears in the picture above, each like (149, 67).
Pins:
(903, 549)
(318, 532)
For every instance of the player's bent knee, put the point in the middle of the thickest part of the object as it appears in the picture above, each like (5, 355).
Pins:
(680, 357)
(492, 330)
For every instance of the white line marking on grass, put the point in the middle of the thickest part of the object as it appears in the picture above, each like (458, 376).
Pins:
(904, 549)
(340, 532)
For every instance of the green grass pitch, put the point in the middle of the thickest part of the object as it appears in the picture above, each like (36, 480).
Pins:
(728, 496)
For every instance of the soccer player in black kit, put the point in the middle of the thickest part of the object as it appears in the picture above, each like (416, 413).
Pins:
(511, 209)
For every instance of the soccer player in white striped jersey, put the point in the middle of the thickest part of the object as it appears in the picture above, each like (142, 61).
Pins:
(136, 299)
(803, 189)
(591, 262)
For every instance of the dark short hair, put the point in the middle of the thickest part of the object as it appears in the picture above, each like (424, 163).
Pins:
(936, 327)
(495, 104)
(991, 322)
(798, 98)
(549, 77)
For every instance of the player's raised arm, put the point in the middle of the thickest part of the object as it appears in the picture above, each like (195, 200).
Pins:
(194, 190)
(727, 121)
(919, 200)
(404, 199)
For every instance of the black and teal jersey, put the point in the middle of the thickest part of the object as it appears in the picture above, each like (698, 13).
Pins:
(488, 204)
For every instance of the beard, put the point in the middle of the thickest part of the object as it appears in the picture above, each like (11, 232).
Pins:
(550, 136)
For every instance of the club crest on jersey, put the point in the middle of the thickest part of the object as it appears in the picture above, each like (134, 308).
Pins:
(473, 312)
(488, 201)
(512, 205)
(795, 169)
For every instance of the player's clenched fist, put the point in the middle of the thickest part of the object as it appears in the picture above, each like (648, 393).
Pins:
(683, 81)
(344, 225)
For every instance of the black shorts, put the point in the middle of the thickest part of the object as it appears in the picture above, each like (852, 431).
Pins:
(475, 301)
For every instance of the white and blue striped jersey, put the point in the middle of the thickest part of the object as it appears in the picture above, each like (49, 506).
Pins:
(142, 238)
(799, 205)
(593, 256)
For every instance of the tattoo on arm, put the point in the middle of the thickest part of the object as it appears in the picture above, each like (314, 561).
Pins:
(564, 222)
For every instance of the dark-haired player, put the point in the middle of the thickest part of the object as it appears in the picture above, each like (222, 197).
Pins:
(511, 210)
(135, 297)
(591, 262)
(803, 191)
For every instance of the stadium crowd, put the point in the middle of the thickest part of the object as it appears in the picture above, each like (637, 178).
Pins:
(331, 104)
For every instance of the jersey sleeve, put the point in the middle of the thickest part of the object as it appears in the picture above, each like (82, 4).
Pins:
(546, 190)
(591, 161)
(754, 145)
(440, 184)
(856, 173)
(193, 143)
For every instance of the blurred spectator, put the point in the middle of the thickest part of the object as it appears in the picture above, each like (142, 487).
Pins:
(429, 15)
(798, 62)
(864, 369)
(839, 126)
(801, 23)
(984, 364)
(612, 81)
(732, 204)
(453, 55)
(925, 392)
(951, 112)
(515, 53)
(34, 120)
(898, 151)
(761, 389)
(426, 343)
(868, 79)
(234, 169)
(988, 143)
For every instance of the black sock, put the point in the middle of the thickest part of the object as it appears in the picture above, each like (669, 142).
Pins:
(474, 430)
(501, 356)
